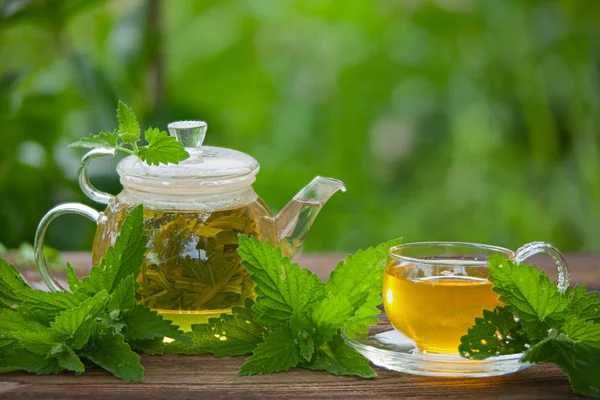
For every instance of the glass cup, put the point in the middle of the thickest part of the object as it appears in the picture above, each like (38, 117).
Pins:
(433, 291)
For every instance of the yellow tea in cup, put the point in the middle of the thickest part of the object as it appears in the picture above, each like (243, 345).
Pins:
(433, 291)
(435, 311)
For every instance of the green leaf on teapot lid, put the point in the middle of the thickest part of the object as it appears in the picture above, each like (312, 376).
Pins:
(129, 128)
(161, 148)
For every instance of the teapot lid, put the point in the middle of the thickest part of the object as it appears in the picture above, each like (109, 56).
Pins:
(208, 168)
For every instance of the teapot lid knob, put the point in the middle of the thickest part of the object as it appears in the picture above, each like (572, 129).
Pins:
(188, 133)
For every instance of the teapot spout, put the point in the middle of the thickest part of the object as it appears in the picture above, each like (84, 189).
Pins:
(296, 218)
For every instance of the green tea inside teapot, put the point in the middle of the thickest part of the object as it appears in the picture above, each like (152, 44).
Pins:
(193, 213)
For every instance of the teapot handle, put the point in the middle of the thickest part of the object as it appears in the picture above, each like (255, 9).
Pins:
(533, 248)
(84, 181)
(38, 245)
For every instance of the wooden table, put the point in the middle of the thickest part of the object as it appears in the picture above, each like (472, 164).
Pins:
(177, 377)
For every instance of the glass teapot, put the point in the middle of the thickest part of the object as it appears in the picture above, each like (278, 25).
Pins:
(193, 213)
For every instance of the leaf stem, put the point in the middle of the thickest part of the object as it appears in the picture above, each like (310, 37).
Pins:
(126, 150)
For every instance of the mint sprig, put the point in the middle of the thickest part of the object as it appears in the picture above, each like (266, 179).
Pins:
(161, 148)
(496, 334)
(294, 322)
(98, 322)
(296, 319)
(540, 322)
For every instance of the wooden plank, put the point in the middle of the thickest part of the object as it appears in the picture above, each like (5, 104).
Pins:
(182, 377)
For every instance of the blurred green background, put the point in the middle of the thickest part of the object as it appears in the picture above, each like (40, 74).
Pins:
(472, 120)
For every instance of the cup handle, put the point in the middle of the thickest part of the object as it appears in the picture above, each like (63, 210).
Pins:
(84, 181)
(533, 248)
(38, 245)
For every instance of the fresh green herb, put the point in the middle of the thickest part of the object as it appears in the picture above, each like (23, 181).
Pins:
(540, 322)
(98, 322)
(161, 148)
(496, 334)
(296, 319)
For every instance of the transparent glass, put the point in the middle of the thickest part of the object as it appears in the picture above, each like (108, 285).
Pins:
(191, 270)
(388, 348)
(433, 291)
(84, 181)
(38, 245)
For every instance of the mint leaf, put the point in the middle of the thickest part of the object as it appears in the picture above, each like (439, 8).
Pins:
(576, 350)
(122, 300)
(586, 333)
(329, 316)
(360, 275)
(101, 140)
(70, 361)
(72, 280)
(10, 282)
(48, 300)
(355, 283)
(240, 329)
(555, 327)
(16, 294)
(6, 341)
(45, 304)
(124, 258)
(21, 359)
(306, 315)
(41, 342)
(11, 277)
(529, 294)
(155, 135)
(8, 297)
(69, 322)
(129, 128)
(144, 324)
(583, 304)
(75, 325)
(338, 358)
(13, 322)
(497, 333)
(162, 148)
(278, 352)
(281, 288)
(303, 332)
(110, 351)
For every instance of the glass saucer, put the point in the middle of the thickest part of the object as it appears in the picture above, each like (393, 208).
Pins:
(386, 347)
